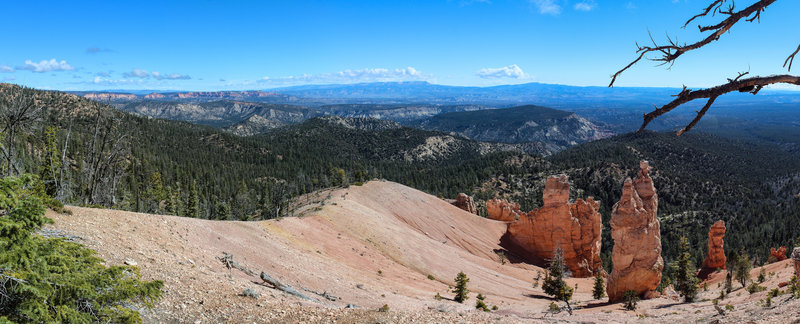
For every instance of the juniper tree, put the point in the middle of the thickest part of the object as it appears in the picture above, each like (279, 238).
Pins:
(554, 284)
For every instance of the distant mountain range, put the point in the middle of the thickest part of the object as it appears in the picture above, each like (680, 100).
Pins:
(618, 110)
(556, 129)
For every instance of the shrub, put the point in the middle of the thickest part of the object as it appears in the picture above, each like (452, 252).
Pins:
(384, 308)
(52, 280)
(631, 298)
(754, 288)
(479, 304)
(431, 277)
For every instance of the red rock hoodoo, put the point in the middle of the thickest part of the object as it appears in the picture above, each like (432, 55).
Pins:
(715, 257)
(574, 227)
(502, 210)
(465, 202)
(637, 238)
(777, 255)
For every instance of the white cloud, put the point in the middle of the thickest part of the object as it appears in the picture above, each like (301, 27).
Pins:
(46, 66)
(171, 76)
(142, 74)
(547, 7)
(6, 69)
(512, 71)
(137, 73)
(586, 5)
(352, 76)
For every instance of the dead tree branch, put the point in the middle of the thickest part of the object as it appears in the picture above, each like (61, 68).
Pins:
(751, 85)
(669, 53)
(790, 59)
(227, 260)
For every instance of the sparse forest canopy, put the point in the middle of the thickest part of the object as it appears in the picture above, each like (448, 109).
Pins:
(723, 15)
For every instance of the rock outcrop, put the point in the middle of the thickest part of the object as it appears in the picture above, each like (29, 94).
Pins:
(503, 210)
(637, 238)
(574, 227)
(715, 257)
(777, 255)
(796, 260)
(465, 202)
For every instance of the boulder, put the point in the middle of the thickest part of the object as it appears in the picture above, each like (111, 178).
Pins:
(796, 260)
(466, 203)
(777, 255)
(575, 227)
(502, 210)
(715, 257)
(637, 238)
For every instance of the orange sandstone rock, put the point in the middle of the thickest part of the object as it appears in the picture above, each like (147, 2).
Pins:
(502, 210)
(715, 257)
(777, 255)
(465, 202)
(637, 238)
(574, 227)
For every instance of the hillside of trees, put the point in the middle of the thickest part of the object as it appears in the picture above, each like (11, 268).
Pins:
(87, 153)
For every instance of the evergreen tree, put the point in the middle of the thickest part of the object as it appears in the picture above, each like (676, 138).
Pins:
(48, 280)
(741, 271)
(685, 279)
(729, 282)
(193, 201)
(554, 284)
(460, 289)
(599, 290)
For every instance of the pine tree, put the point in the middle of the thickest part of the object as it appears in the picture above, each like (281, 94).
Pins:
(460, 289)
(685, 279)
(51, 280)
(554, 284)
(741, 271)
(599, 290)
(193, 201)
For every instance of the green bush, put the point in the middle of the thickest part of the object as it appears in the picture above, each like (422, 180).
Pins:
(46, 280)
(630, 298)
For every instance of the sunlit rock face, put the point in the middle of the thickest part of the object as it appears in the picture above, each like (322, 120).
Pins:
(637, 238)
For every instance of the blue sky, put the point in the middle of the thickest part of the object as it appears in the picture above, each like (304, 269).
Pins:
(219, 45)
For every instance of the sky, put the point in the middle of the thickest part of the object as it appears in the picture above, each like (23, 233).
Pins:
(238, 45)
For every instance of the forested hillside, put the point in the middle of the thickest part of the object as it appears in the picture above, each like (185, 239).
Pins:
(700, 178)
(123, 161)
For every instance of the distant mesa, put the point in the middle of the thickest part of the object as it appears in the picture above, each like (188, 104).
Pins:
(575, 227)
(637, 239)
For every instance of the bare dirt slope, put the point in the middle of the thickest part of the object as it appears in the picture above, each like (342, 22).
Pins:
(369, 246)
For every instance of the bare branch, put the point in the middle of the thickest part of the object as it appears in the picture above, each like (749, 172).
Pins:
(790, 59)
(669, 53)
(751, 85)
(717, 4)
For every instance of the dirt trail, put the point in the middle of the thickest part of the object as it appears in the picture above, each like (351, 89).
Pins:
(369, 245)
